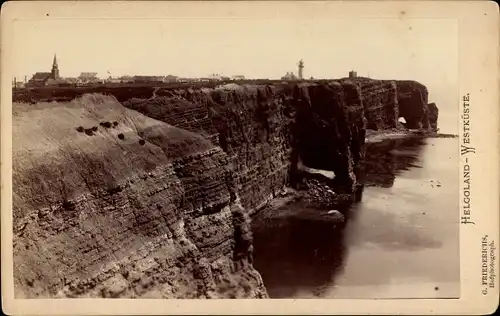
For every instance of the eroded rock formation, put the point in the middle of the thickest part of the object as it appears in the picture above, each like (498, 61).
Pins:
(101, 216)
(380, 101)
(159, 204)
(433, 116)
(412, 99)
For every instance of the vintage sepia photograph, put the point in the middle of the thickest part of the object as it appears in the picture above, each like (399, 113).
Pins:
(284, 154)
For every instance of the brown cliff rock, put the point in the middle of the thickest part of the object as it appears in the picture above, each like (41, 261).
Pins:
(412, 99)
(265, 129)
(164, 211)
(433, 116)
(102, 217)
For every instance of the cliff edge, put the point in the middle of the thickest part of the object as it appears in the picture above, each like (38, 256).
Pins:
(151, 194)
(136, 208)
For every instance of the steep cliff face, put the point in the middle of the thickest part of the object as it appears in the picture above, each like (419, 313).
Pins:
(153, 197)
(433, 116)
(380, 101)
(100, 215)
(329, 130)
(412, 99)
(247, 123)
(265, 130)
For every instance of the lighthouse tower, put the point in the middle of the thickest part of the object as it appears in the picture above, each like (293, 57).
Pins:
(55, 69)
(301, 67)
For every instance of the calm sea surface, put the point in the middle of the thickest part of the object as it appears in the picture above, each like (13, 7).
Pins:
(400, 241)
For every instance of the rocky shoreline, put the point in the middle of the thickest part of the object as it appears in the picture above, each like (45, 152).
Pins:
(377, 136)
(161, 203)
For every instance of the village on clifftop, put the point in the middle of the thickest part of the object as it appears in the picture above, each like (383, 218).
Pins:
(53, 79)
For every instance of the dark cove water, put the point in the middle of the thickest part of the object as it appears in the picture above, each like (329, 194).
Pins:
(401, 241)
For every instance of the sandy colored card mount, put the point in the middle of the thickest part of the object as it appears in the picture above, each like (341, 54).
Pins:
(270, 157)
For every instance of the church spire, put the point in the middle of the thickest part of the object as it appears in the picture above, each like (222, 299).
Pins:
(55, 68)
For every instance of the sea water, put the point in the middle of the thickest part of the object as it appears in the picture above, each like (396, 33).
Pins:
(400, 241)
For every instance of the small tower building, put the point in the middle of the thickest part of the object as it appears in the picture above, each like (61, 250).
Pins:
(55, 69)
(301, 68)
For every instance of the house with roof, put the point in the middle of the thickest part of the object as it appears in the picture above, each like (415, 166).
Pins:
(71, 80)
(88, 77)
(42, 78)
(114, 80)
(170, 78)
(289, 76)
(126, 79)
(57, 82)
(148, 79)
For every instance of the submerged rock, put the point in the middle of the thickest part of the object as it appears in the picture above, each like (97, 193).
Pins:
(337, 215)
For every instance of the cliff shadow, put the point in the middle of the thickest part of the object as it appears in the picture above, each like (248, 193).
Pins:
(321, 133)
(384, 160)
(297, 254)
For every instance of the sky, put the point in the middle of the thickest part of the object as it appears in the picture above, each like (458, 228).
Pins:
(384, 48)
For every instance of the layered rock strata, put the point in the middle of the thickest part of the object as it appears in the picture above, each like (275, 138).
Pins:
(159, 204)
(380, 102)
(102, 216)
(413, 104)
(266, 129)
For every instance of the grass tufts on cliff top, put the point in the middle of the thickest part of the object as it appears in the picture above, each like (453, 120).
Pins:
(54, 162)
